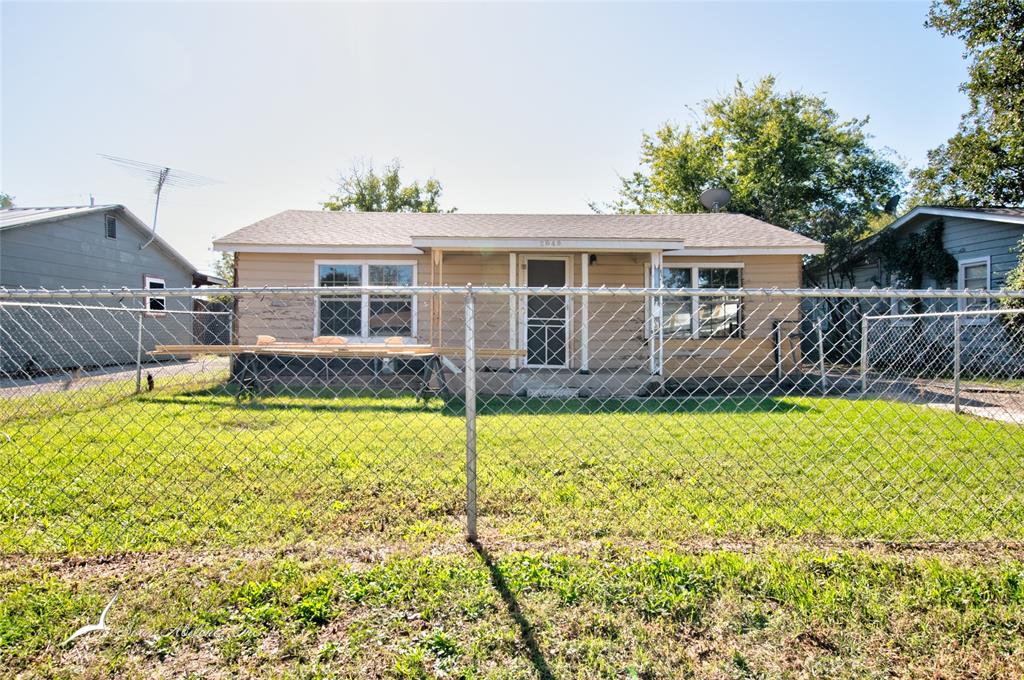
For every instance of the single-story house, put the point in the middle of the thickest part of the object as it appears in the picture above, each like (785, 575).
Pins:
(982, 245)
(983, 242)
(101, 246)
(572, 333)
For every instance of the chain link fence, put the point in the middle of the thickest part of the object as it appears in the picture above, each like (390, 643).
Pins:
(270, 416)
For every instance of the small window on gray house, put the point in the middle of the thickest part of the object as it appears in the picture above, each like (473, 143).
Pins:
(155, 305)
(110, 227)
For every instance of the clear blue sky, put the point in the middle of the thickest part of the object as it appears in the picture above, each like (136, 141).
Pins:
(514, 107)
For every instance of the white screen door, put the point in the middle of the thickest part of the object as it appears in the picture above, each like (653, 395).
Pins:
(546, 315)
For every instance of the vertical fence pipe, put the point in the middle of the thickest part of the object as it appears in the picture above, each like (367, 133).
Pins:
(138, 354)
(777, 334)
(470, 333)
(864, 353)
(956, 363)
(821, 355)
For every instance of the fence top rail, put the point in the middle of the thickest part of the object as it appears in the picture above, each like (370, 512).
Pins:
(601, 291)
(106, 308)
(946, 315)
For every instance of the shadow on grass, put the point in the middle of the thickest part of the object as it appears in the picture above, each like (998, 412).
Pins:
(307, 401)
(356, 401)
(496, 405)
(526, 634)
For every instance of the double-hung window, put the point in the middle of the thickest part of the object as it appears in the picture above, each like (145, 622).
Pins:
(365, 316)
(700, 316)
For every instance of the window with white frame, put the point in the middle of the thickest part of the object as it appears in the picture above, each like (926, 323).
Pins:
(899, 306)
(974, 275)
(110, 226)
(154, 304)
(366, 316)
(699, 316)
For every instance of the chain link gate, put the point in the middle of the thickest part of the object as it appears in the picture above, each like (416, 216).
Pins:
(418, 413)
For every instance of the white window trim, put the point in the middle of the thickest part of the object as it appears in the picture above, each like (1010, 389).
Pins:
(694, 268)
(105, 234)
(894, 310)
(962, 306)
(364, 306)
(146, 281)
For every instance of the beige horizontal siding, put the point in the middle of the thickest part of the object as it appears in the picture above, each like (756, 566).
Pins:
(291, 318)
(754, 354)
(616, 324)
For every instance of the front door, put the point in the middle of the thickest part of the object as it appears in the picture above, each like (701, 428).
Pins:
(546, 315)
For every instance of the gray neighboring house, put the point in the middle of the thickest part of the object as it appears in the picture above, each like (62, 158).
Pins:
(87, 247)
(983, 241)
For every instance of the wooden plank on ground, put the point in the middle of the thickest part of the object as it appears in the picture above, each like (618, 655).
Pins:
(362, 350)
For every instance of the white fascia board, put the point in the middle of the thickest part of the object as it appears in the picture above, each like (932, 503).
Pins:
(225, 247)
(560, 244)
(764, 250)
(953, 212)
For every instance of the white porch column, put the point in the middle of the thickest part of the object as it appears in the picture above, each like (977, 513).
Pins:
(654, 339)
(436, 279)
(585, 314)
(513, 362)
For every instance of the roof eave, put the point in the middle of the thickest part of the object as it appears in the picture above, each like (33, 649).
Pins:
(301, 248)
(810, 249)
(534, 243)
(953, 212)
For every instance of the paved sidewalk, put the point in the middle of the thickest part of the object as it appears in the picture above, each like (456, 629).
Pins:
(163, 371)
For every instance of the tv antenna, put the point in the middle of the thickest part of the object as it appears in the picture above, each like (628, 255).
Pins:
(715, 199)
(160, 176)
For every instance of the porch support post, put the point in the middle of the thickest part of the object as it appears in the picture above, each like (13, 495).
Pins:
(436, 279)
(654, 333)
(513, 361)
(585, 314)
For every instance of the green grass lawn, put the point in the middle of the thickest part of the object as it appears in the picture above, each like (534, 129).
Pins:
(172, 469)
(321, 537)
(607, 612)
(1012, 384)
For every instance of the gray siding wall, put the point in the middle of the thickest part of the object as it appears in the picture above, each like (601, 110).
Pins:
(965, 239)
(75, 253)
(984, 345)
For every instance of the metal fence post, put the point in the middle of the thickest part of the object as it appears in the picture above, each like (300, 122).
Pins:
(864, 353)
(777, 334)
(138, 354)
(470, 314)
(821, 355)
(956, 363)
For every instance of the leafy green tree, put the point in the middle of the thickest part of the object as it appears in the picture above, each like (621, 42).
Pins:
(983, 163)
(786, 157)
(363, 190)
(6, 201)
(1015, 282)
(225, 268)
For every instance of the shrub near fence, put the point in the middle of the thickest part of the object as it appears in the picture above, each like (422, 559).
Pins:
(654, 415)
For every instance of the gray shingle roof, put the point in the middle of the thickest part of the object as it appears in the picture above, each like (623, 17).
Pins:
(325, 228)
